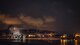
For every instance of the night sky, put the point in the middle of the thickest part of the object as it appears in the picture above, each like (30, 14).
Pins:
(66, 12)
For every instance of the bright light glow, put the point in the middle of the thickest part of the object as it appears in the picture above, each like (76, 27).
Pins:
(77, 35)
(31, 35)
(64, 36)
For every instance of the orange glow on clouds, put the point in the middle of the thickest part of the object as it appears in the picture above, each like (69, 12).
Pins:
(11, 21)
(46, 22)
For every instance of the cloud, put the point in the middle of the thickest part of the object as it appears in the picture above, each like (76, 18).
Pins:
(46, 22)
(11, 21)
(41, 23)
